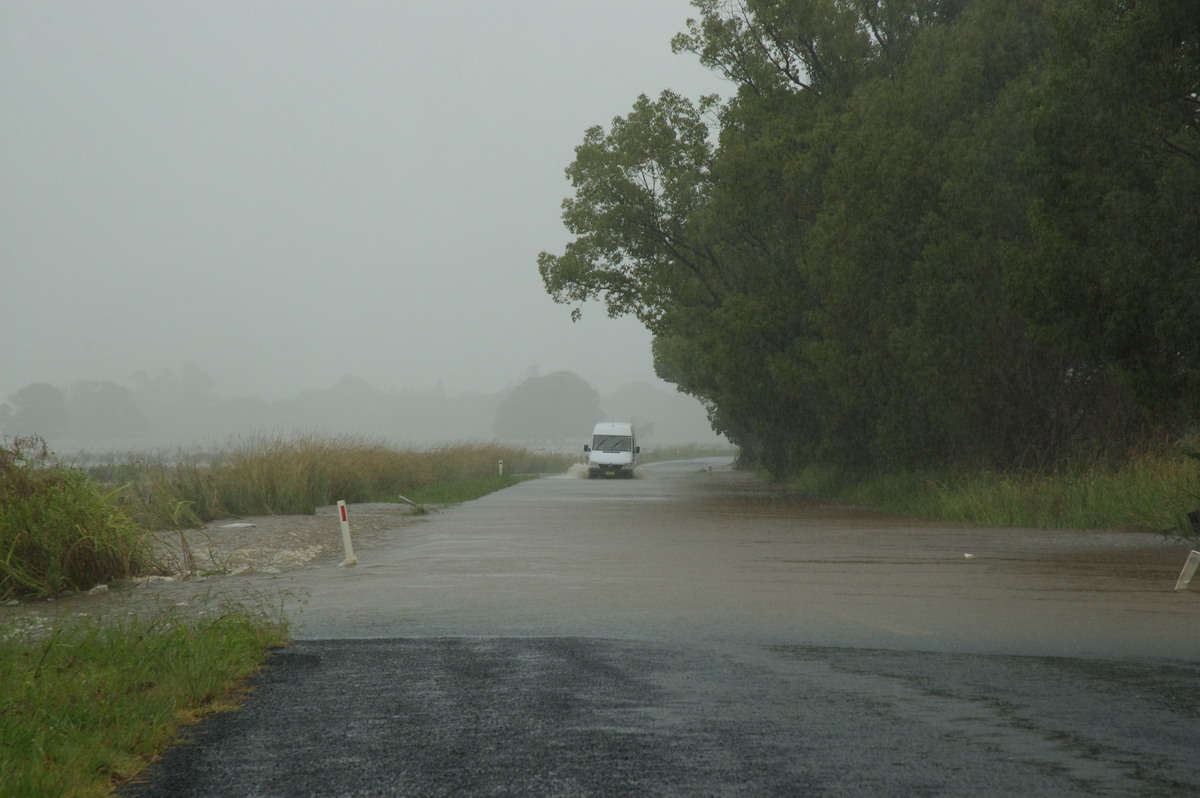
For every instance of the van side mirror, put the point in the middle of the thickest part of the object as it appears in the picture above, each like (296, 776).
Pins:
(587, 448)
(637, 449)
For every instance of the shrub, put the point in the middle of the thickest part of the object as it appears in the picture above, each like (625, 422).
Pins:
(58, 530)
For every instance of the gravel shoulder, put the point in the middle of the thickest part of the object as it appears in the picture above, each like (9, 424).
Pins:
(232, 561)
(271, 544)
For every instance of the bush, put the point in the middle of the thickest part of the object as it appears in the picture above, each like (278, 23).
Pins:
(58, 531)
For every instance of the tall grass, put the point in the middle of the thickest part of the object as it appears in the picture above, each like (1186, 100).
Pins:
(64, 528)
(1150, 492)
(87, 705)
(58, 530)
(271, 475)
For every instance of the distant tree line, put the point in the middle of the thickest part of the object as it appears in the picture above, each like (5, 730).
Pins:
(170, 408)
(88, 411)
(920, 232)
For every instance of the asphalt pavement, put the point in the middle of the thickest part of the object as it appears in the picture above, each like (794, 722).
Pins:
(590, 717)
(695, 633)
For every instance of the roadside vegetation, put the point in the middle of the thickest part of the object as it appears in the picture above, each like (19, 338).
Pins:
(86, 702)
(276, 475)
(84, 706)
(911, 240)
(1149, 492)
(72, 527)
(59, 530)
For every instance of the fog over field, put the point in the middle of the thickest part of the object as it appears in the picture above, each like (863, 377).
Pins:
(280, 195)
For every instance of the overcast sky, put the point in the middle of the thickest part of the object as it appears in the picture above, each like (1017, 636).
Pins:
(283, 193)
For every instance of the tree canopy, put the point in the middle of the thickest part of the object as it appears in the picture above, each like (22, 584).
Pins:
(918, 232)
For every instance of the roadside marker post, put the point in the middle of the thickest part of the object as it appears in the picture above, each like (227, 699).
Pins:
(501, 468)
(350, 558)
(1189, 570)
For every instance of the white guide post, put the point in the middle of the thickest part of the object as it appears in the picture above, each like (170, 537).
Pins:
(501, 468)
(350, 558)
(1189, 570)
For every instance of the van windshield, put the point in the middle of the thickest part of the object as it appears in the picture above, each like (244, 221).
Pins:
(611, 443)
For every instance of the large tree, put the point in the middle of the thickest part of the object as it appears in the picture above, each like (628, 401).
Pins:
(560, 406)
(38, 409)
(887, 258)
(1114, 265)
(104, 411)
(637, 188)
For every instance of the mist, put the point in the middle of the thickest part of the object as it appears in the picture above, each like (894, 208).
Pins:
(282, 195)
(170, 409)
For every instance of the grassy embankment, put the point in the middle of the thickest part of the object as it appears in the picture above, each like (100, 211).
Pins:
(84, 705)
(1147, 492)
(1152, 492)
(87, 706)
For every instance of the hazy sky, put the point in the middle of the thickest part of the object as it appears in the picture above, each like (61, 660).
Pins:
(282, 193)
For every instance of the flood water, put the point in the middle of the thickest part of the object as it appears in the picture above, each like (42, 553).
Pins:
(689, 552)
(701, 633)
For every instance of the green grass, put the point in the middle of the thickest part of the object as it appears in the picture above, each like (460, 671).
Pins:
(58, 530)
(85, 706)
(464, 490)
(70, 528)
(1144, 493)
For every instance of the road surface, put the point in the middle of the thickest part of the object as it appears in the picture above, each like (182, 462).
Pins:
(697, 632)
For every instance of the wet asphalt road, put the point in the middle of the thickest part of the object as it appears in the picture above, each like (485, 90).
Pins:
(697, 634)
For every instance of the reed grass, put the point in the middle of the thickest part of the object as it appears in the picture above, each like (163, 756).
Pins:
(58, 530)
(70, 528)
(1148, 492)
(274, 475)
(86, 706)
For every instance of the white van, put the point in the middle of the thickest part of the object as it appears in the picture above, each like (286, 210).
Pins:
(612, 451)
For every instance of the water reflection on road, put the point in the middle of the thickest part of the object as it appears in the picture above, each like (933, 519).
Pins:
(694, 550)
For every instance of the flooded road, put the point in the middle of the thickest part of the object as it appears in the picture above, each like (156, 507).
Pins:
(700, 633)
(685, 552)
